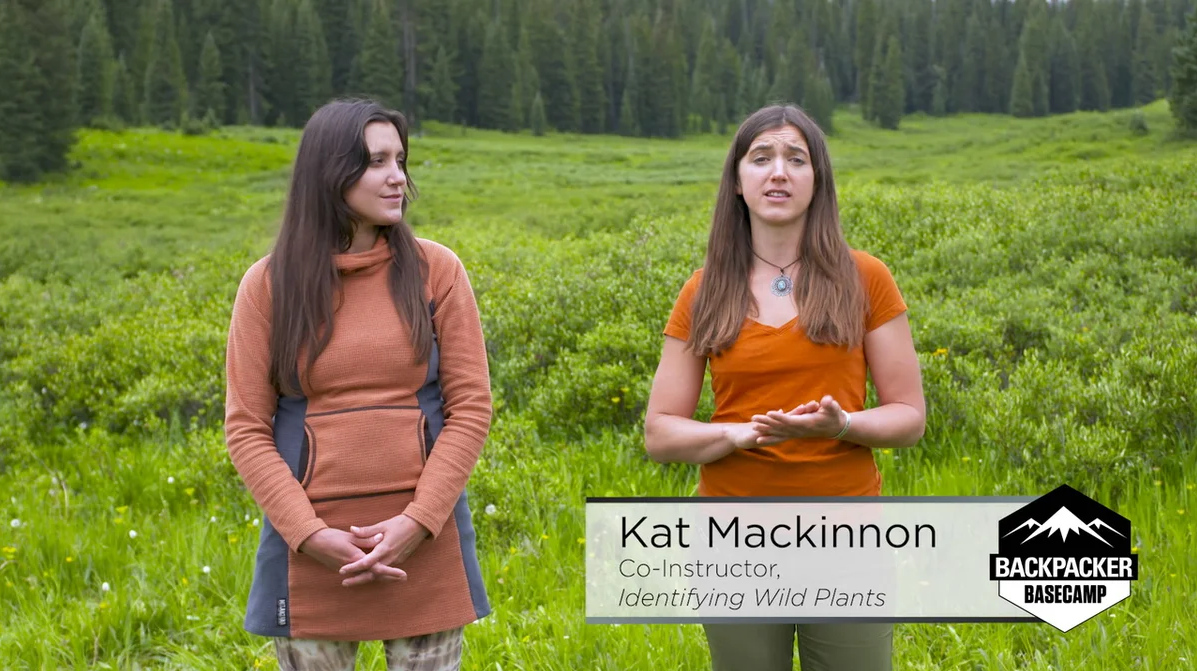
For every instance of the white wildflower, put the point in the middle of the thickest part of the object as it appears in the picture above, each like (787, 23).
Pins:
(170, 480)
(491, 509)
(207, 570)
(104, 587)
(212, 519)
(256, 521)
(15, 523)
(132, 533)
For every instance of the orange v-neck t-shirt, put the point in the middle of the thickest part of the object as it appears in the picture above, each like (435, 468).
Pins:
(771, 368)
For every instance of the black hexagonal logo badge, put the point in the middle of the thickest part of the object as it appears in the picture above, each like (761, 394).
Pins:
(1064, 558)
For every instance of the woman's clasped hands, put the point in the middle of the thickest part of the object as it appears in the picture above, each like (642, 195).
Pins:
(815, 419)
(366, 554)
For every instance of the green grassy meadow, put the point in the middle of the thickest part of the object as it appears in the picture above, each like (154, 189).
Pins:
(1050, 266)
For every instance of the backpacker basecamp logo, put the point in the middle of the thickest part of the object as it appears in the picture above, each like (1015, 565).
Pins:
(1064, 558)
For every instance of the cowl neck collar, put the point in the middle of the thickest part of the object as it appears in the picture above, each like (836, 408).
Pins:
(370, 260)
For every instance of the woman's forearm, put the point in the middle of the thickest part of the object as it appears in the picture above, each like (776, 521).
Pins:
(890, 425)
(674, 439)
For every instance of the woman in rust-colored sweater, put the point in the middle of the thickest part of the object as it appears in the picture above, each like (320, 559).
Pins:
(358, 402)
(791, 321)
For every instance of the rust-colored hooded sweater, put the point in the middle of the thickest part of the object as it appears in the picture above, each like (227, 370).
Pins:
(374, 434)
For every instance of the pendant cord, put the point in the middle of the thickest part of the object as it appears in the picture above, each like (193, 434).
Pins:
(779, 268)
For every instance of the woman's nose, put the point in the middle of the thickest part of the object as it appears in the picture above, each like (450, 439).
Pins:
(779, 169)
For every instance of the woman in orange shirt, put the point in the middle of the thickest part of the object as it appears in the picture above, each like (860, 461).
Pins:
(791, 321)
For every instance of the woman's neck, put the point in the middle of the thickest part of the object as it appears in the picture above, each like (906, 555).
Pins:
(776, 244)
(364, 237)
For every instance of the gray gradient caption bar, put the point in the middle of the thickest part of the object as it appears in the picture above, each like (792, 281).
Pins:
(834, 559)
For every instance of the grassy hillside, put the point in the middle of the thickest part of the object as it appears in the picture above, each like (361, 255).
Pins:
(1049, 266)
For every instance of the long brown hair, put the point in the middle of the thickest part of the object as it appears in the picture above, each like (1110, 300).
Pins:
(317, 223)
(827, 290)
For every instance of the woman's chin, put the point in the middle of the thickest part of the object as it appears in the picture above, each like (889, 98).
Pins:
(774, 221)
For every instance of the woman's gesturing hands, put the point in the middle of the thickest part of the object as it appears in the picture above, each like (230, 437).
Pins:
(815, 419)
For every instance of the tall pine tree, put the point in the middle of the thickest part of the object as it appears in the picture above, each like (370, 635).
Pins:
(557, 82)
(496, 76)
(819, 101)
(1183, 98)
(313, 86)
(37, 122)
(1034, 56)
(865, 45)
(209, 90)
(377, 71)
(703, 79)
(340, 37)
(95, 75)
(592, 98)
(1095, 86)
(971, 94)
(921, 62)
(124, 93)
(889, 92)
(1065, 70)
(537, 117)
(527, 78)
(441, 97)
(1022, 96)
(1143, 79)
(165, 91)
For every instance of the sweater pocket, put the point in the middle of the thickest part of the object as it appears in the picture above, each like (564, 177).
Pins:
(364, 451)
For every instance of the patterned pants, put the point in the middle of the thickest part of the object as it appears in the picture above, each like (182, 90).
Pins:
(434, 652)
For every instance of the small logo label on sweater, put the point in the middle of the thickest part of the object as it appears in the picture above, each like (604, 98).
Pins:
(282, 612)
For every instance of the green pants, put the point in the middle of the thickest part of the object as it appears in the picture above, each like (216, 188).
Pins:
(821, 647)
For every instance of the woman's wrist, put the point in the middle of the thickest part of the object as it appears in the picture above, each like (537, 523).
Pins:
(847, 424)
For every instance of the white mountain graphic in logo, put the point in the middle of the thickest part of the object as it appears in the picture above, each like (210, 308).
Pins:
(1064, 523)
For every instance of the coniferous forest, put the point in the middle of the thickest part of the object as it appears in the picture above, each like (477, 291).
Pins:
(658, 68)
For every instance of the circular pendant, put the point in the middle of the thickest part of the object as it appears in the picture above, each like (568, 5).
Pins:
(781, 285)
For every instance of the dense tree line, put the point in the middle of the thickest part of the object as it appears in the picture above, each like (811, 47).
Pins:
(636, 67)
